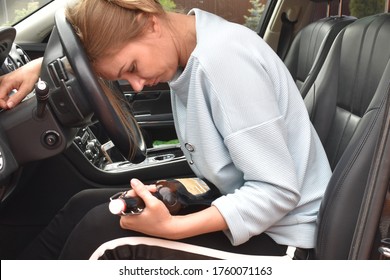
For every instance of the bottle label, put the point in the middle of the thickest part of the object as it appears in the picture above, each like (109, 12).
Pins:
(194, 186)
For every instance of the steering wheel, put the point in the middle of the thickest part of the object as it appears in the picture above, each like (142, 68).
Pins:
(98, 101)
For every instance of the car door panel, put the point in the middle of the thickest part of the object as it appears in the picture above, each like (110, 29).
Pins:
(152, 109)
(33, 50)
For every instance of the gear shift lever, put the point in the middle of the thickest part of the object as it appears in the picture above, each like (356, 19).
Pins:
(42, 95)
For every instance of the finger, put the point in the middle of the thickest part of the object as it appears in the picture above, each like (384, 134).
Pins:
(140, 189)
(3, 98)
(1, 81)
(3, 104)
(5, 88)
(15, 99)
(130, 193)
(19, 95)
(151, 188)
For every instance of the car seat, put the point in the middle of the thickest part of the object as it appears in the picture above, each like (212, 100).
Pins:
(347, 103)
(309, 48)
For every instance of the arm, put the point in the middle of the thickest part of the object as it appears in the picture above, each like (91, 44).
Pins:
(22, 79)
(155, 220)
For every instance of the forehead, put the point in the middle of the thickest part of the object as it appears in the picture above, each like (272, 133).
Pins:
(109, 64)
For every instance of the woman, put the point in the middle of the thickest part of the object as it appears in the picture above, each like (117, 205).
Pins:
(236, 104)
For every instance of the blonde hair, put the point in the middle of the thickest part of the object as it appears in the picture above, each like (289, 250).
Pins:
(103, 27)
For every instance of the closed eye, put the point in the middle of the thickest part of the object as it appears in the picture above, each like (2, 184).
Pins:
(132, 68)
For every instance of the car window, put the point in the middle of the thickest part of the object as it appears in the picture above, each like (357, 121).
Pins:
(356, 8)
(12, 11)
(363, 8)
(245, 12)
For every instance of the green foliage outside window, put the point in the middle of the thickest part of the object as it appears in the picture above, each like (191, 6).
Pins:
(22, 13)
(362, 8)
(169, 5)
(255, 13)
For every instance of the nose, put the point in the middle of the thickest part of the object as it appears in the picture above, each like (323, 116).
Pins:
(137, 83)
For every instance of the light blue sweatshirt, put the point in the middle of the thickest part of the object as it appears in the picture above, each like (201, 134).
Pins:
(243, 126)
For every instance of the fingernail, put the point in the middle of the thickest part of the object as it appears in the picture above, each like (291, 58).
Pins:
(154, 188)
(10, 104)
(135, 182)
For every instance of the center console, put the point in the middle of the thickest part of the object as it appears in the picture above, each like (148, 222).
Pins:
(107, 157)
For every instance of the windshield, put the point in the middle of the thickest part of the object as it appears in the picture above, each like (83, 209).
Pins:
(12, 11)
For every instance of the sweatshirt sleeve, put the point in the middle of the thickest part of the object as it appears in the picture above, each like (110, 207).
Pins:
(271, 188)
(264, 126)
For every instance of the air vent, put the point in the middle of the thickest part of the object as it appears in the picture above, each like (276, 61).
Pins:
(7, 36)
(24, 58)
(4, 47)
(10, 64)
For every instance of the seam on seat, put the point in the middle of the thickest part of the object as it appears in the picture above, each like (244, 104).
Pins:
(309, 46)
(357, 101)
(336, 155)
(349, 165)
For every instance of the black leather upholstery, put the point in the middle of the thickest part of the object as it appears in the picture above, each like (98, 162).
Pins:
(310, 47)
(346, 104)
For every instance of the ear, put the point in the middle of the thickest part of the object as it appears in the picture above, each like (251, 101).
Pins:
(155, 25)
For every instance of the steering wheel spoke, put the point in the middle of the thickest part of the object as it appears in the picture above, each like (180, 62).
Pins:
(86, 86)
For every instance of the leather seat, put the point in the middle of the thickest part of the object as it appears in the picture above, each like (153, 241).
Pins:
(310, 47)
(347, 103)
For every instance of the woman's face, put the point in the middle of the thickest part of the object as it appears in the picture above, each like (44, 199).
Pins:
(146, 61)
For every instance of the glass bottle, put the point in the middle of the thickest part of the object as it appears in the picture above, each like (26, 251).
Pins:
(176, 194)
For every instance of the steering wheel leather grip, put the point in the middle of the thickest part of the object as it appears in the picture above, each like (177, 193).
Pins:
(132, 146)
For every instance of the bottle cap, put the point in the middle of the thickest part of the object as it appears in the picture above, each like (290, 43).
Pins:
(117, 206)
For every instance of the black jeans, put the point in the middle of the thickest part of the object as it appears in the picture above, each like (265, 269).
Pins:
(85, 223)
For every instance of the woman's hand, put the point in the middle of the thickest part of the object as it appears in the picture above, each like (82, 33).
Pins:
(155, 219)
(22, 80)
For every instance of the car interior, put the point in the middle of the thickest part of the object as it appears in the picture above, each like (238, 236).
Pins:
(310, 47)
(349, 124)
(341, 64)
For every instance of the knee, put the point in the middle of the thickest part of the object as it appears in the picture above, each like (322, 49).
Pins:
(85, 200)
(97, 220)
(80, 198)
(83, 195)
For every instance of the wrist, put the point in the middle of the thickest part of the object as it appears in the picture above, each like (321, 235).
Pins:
(205, 221)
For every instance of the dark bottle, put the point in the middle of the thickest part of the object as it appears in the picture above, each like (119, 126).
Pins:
(176, 194)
